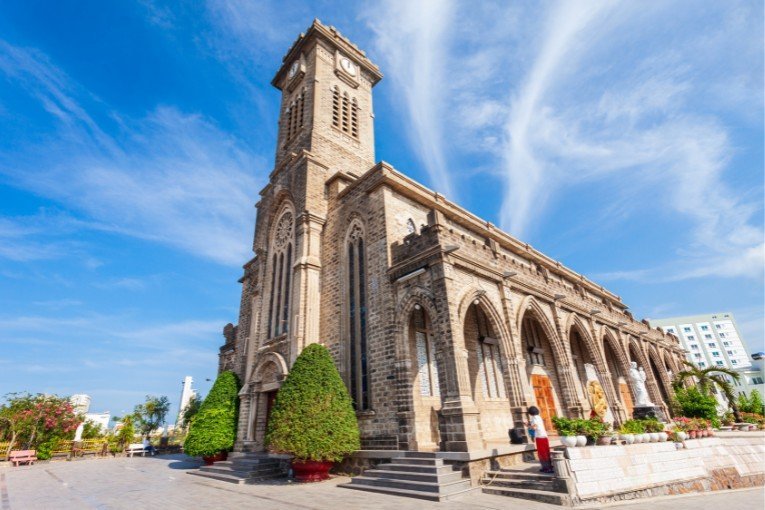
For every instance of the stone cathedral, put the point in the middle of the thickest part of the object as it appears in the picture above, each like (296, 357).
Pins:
(444, 328)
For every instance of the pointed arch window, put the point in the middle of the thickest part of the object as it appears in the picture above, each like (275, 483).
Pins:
(293, 116)
(281, 275)
(427, 368)
(357, 319)
(489, 370)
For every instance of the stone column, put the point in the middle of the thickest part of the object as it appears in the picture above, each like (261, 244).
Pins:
(306, 300)
(462, 426)
(516, 380)
(563, 369)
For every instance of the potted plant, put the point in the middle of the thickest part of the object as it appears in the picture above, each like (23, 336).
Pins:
(633, 428)
(313, 417)
(580, 427)
(213, 429)
(625, 434)
(566, 430)
(655, 428)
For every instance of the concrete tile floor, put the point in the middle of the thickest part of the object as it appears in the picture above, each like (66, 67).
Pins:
(162, 482)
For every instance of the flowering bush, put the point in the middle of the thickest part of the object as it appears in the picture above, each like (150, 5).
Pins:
(27, 421)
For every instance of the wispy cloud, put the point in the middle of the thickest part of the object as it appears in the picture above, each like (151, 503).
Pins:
(170, 177)
(565, 96)
(414, 41)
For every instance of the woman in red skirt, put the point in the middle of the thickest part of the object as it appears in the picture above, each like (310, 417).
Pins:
(540, 435)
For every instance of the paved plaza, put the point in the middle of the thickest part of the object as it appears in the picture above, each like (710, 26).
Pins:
(163, 482)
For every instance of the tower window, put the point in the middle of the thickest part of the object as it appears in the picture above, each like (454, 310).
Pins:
(293, 117)
(345, 113)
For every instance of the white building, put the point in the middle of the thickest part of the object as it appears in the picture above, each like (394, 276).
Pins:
(186, 394)
(80, 402)
(102, 419)
(711, 340)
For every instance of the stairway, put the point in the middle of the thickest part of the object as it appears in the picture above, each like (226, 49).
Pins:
(526, 482)
(413, 474)
(243, 468)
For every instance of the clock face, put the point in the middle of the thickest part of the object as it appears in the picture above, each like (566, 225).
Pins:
(348, 66)
(294, 68)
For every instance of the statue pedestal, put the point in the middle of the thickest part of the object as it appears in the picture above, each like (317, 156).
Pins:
(645, 412)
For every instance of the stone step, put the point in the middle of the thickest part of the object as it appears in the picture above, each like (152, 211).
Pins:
(416, 461)
(432, 487)
(247, 473)
(416, 477)
(432, 496)
(519, 475)
(540, 485)
(416, 468)
(421, 455)
(233, 477)
(553, 498)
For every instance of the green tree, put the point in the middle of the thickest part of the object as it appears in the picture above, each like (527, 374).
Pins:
(313, 416)
(126, 434)
(150, 415)
(213, 428)
(708, 378)
(191, 410)
(91, 430)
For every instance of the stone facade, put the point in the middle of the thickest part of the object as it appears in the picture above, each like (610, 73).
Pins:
(444, 327)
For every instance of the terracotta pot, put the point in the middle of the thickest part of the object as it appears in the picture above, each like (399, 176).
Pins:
(210, 460)
(604, 441)
(692, 434)
(704, 433)
(311, 471)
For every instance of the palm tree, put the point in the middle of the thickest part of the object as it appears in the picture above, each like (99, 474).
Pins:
(711, 378)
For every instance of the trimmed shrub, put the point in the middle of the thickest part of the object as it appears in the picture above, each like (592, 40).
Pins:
(696, 404)
(313, 417)
(213, 429)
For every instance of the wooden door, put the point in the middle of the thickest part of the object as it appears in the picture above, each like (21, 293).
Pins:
(270, 399)
(626, 399)
(543, 393)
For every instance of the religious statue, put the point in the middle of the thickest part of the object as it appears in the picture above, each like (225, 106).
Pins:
(638, 378)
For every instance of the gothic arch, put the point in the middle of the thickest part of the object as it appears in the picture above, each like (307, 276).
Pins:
(417, 295)
(530, 304)
(575, 321)
(495, 319)
(642, 361)
(617, 348)
(272, 368)
(659, 371)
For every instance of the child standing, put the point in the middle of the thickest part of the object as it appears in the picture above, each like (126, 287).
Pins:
(540, 435)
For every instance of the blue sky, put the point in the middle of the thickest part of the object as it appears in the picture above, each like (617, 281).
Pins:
(623, 138)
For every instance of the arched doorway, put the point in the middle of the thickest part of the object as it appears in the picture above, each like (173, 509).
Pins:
(425, 384)
(487, 375)
(660, 381)
(540, 367)
(619, 375)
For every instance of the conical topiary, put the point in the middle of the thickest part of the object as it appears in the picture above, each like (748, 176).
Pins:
(313, 417)
(213, 429)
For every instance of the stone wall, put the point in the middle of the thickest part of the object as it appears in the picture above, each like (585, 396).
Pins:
(612, 473)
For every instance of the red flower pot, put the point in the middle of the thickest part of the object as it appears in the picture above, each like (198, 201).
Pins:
(209, 460)
(692, 434)
(311, 471)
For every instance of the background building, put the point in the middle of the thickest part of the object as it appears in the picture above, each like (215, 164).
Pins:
(80, 402)
(187, 392)
(711, 339)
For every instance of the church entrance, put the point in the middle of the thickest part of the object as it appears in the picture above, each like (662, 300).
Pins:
(270, 399)
(624, 390)
(543, 393)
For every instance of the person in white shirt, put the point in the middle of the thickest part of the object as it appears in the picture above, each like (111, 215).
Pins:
(537, 424)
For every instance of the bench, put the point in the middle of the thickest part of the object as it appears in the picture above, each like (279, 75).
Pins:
(26, 456)
(135, 448)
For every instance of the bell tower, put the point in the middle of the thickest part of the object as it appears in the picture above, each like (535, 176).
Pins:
(326, 108)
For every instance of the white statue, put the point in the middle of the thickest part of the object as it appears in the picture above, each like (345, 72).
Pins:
(638, 377)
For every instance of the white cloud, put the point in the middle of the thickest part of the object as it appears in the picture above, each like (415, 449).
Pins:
(413, 39)
(635, 99)
(171, 177)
